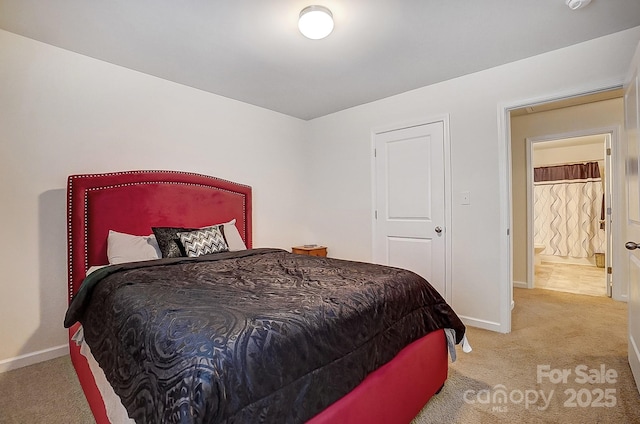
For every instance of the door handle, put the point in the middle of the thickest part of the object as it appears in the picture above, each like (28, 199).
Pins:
(631, 245)
(438, 230)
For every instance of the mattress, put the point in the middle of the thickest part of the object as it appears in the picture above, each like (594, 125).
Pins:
(116, 412)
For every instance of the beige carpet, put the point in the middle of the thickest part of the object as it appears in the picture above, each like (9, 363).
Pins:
(45, 393)
(561, 330)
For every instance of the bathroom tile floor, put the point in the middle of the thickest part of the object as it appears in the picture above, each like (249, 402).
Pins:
(579, 279)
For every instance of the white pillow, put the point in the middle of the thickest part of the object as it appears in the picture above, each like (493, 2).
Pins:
(231, 234)
(122, 248)
(94, 268)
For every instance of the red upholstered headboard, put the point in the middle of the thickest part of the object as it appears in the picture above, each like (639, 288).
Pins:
(134, 201)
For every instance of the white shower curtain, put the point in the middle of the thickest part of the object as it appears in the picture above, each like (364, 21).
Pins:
(568, 207)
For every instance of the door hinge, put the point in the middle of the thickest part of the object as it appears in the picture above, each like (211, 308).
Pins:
(507, 231)
(608, 151)
(376, 213)
(375, 153)
(609, 270)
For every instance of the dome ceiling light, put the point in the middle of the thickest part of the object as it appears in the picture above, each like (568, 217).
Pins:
(577, 4)
(315, 22)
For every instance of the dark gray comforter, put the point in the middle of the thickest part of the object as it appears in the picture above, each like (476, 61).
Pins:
(256, 336)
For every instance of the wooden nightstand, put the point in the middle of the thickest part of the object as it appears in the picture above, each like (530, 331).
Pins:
(310, 250)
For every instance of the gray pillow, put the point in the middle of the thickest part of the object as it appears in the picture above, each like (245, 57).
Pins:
(203, 241)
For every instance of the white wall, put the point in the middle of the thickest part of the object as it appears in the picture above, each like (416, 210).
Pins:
(62, 113)
(341, 148)
(546, 154)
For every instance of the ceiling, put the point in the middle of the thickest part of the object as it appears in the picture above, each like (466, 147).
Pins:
(251, 50)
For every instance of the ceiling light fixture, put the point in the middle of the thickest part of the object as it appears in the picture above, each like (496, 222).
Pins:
(315, 22)
(577, 4)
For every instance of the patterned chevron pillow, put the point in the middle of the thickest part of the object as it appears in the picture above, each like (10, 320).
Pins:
(203, 241)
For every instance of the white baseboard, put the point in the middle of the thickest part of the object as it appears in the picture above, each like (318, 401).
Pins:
(634, 360)
(520, 284)
(479, 323)
(33, 358)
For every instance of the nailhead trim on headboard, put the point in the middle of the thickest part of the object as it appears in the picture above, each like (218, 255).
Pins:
(70, 191)
(69, 238)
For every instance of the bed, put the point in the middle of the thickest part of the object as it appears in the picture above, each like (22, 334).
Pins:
(170, 353)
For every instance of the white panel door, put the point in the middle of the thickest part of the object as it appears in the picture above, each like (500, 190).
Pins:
(410, 219)
(632, 124)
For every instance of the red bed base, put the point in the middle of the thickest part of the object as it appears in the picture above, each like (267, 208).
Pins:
(134, 201)
(397, 391)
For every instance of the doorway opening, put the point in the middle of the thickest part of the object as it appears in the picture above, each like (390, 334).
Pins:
(576, 118)
(569, 182)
